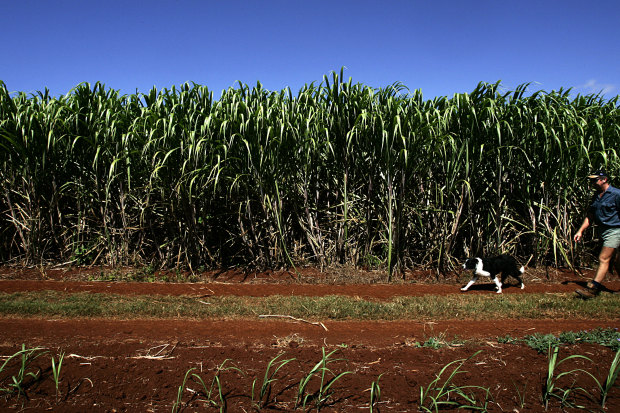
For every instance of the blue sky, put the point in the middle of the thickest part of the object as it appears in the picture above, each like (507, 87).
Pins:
(441, 47)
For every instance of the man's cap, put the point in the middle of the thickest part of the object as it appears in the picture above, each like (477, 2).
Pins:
(599, 173)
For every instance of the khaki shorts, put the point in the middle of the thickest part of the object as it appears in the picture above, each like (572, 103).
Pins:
(610, 237)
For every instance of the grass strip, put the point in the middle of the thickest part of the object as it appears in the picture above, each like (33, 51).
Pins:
(472, 307)
(478, 307)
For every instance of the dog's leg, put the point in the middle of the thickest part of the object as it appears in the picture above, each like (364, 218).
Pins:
(498, 283)
(518, 277)
(517, 274)
(470, 283)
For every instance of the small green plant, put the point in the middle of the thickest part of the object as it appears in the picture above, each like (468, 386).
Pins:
(608, 337)
(372, 261)
(434, 342)
(507, 339)
(610, 380)
(541, 342)
(520, 393)
(550, 387)
(207, 391)
(144, 274)
(264, 392)
(439, 341)
(24, 376)
(177, 403)
(443, 393)
(327, 379)
(83, 255)
(568, 337)
(375, 393)
(56, 367)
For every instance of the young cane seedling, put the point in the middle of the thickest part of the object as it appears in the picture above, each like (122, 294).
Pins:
(550, 388)
(520, 393)
(439, 394)
(56, 367)
(375, 393)
(265, 390)
(610, 380)
(208, 391)
(177, 404)
(325, 391)
(19, 381)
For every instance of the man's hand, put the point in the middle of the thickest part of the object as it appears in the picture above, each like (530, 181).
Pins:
(578, 235)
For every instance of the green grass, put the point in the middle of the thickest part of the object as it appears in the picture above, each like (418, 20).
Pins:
(534, 306)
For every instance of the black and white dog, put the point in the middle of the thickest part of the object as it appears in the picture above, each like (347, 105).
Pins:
(491, 267)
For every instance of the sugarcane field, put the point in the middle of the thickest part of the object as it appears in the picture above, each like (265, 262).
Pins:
(308, 250)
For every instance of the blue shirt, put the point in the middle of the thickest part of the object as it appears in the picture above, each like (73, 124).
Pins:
(606, 208)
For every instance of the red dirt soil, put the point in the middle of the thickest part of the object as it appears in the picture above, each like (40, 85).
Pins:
(138, 365)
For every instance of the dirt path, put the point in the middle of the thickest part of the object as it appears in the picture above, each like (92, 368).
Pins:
(377, 291)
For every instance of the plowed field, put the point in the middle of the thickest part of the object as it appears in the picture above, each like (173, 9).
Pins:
(120, 365)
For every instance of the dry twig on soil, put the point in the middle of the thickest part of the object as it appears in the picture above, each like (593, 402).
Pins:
(294, 318)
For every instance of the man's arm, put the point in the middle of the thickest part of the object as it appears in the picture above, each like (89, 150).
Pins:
(586, 223)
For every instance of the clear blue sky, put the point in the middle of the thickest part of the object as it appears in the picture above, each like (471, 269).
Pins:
(441, 47)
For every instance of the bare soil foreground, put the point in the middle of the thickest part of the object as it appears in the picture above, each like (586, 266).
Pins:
(114, 365)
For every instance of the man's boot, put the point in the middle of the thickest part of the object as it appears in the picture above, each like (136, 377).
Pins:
(592, 290)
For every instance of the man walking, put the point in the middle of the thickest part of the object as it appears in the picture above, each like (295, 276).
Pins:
(605, 212)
